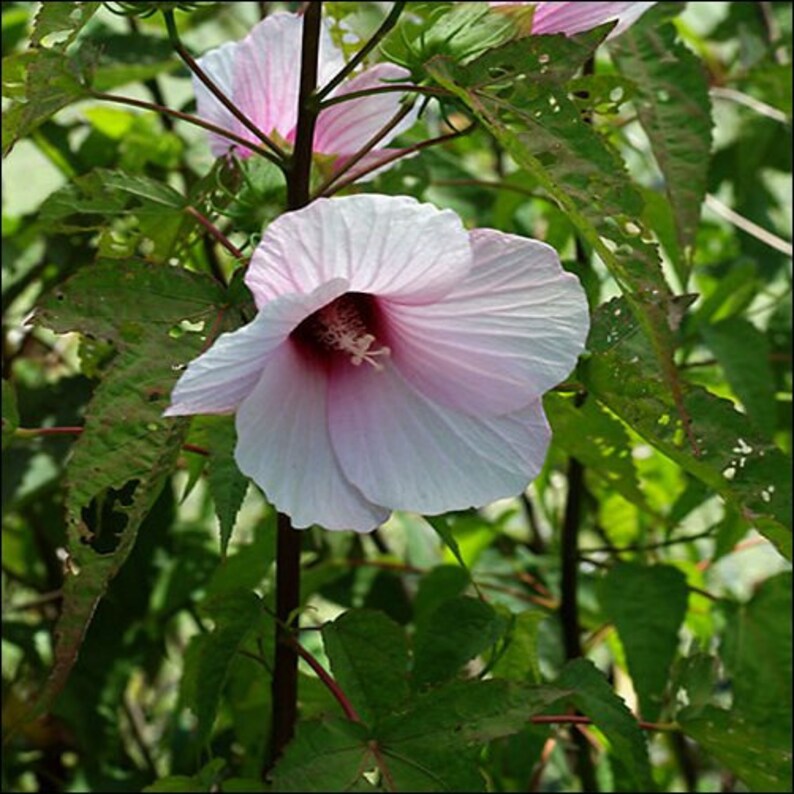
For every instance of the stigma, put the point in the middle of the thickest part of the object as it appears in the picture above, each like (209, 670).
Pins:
(340, 327)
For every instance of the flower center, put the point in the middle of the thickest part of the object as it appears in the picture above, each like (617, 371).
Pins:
(341, 326)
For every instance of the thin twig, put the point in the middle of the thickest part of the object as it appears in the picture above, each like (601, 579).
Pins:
(194, 67)
(388, 23)
(365, 149)
(33, 432)
(747, 226)
(397, 155)
(389, 88)
(216, 233)
(195, 120)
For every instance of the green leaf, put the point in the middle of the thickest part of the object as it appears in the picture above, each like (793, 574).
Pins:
(452, 634)
(127, 450)
(518, 92)
(442, 526)
(734, 460)
(594, 437)
(324, 756)
(435, 745)
(227, 484)
(10, 412)
(594, 697)
(519, 661)
(647, 604)
(674, 109)
(57, 24)
(42, 82)
(756, 650)
(236, 614)
(368, 654)
(759, 758)
(206, 779)
(438, 585)
(743, 353)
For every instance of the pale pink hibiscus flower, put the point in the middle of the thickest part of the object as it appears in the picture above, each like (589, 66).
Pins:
(261, 75)
(396, 361)
(576, 17)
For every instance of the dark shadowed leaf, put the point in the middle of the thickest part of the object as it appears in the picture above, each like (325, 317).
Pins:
(368, 654)
(647, 604)
(596, 698)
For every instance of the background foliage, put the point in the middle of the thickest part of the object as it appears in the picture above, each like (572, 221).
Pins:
(641, 587)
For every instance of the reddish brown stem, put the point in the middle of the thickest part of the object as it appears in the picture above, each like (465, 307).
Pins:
(215, 232)
(32, 432)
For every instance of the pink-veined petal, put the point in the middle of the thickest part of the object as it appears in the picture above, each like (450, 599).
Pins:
(578, 16)
(389, 246)
(344, 128)
(283, 444)
(508, 333)
(403, 450)
(261, 74)
(223, 376)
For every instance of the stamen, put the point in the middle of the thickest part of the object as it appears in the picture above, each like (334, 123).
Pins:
(339, 326)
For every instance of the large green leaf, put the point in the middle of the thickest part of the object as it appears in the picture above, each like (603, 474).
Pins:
(756, 650)
(743, 353)
(435, 745)
(595, 698)
(122, 459)
(647, 604)
(455, 632)
(331, 755)
(762, 760)
(520, 93)
(674, 108)
(733, 459)
(368, 654)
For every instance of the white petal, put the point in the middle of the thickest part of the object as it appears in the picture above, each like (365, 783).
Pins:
(383, 245)
(222, 377)
(575, 17)
(261, 74)
(344, 128)
(283, 444)
(508, 333)
(406, 452)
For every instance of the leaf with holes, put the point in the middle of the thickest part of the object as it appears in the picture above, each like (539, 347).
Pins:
(127, 450)
(674, 108)
(520, 93)
(41, 82)
(733, 459)
(57, 24)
